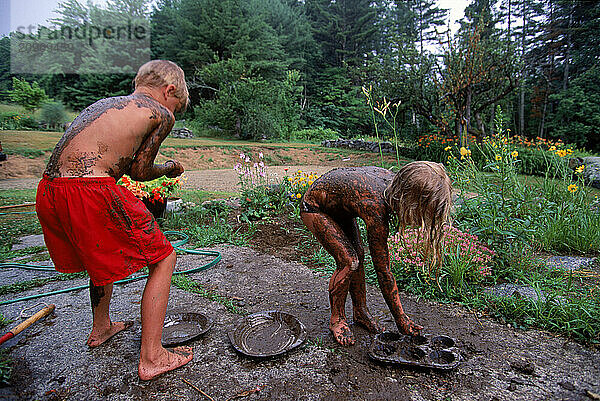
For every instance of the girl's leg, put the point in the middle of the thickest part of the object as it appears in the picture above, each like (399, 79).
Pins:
(358, 291)
(330, 234)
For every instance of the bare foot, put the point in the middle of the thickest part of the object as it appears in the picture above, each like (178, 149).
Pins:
(407, 326)
(365, 319)
(165, 362)
(342, 333)
(99, 336)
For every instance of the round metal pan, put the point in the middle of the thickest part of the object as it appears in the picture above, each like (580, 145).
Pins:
(267, 334)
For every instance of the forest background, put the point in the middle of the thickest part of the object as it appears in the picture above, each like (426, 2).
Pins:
(299, 70)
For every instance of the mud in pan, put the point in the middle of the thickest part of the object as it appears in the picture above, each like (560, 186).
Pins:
(267, 334)
(180, 328)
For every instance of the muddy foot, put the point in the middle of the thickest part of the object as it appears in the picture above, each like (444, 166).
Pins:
(98, 337)
(365, 319)
(166, 362)
(342, 333)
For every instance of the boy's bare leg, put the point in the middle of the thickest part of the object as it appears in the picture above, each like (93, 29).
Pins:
(154, 359)
(329, 233)
(103, 328)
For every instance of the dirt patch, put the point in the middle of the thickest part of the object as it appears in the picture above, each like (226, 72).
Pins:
(17, 166)
(497, 362)
(210, 158)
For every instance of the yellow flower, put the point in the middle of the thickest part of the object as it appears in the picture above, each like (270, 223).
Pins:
(514, 153)
(579, 169)
(447, 148)
(552, 148)
(569, 151)
(572, 188)
(465, 152)
(298, 196)
(310, 182)
(498, 158)
(561, 153)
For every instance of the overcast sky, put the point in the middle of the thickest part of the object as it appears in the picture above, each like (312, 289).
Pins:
(15, 13)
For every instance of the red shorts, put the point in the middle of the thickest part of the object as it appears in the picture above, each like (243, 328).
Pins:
(92, 224)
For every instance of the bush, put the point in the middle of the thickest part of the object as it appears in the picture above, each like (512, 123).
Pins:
(53, 114)
(16, 121)
(313, 135)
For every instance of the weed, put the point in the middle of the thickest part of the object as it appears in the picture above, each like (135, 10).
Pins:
(189, 285)
(6, 367)
(38, 282)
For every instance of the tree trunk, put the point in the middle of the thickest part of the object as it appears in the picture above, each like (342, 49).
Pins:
(467, 116)
(568, 49)
(481, 126)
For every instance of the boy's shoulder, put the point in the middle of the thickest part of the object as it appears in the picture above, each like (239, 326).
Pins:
(135, 103)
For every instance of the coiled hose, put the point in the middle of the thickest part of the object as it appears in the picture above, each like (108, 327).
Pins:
(177, 245)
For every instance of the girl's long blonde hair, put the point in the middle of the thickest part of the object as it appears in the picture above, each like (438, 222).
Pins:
(421, 196)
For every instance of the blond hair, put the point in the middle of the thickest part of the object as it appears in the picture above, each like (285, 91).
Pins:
(159, 73)
(421, 196)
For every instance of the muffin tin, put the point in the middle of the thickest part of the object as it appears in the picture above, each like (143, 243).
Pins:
(426, 351)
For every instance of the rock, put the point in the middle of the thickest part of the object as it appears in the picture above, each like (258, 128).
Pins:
(359, 144)
(570, 262)
(591, 172)
(567, 386)
(181, 133)
(514, 290)
(525, 367)
(28, 241)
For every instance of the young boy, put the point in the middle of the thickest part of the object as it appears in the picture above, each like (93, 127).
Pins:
(419, 195)
(92, 224)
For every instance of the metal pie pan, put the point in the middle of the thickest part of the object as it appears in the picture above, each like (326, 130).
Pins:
(267, 334)
(180, 328)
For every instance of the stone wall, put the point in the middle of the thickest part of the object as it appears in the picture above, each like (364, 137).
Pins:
(181, 133)
(358, 144)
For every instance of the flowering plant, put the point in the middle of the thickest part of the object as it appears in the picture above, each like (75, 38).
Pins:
(299, 183)
(155, 191)
(476, 259)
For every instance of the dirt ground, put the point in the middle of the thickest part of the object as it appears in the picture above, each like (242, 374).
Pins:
(212, 158)
(498, 362)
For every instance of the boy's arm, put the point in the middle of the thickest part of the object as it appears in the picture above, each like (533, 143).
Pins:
(143, 167)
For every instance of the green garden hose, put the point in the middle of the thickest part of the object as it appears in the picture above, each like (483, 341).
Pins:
(177, 245)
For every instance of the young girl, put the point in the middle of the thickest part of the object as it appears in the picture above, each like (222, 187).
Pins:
(419, 195)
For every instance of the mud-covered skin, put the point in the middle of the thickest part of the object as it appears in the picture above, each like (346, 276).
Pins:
(96, 294)
(333, 203)
(115, 136)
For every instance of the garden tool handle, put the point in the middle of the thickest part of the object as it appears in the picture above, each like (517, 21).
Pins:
(28, 322)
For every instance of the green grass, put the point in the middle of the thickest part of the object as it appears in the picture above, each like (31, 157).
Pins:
(189, 285)
(38, 282)
(14, 108)
(14, 226)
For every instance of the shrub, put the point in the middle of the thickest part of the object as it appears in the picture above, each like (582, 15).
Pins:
(16, 121)
(30, 96)
(313, 135)
(53, 114)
